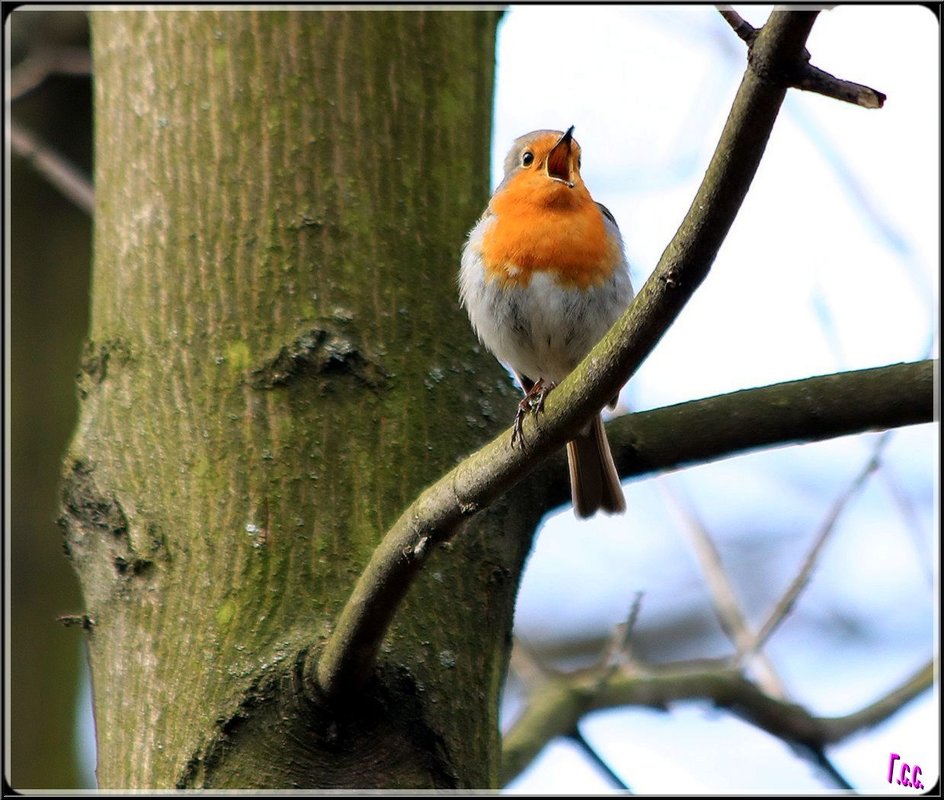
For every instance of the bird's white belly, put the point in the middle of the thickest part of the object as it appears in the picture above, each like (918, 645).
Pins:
(543, 329)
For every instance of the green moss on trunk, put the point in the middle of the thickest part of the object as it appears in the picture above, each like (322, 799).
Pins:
(280, 365)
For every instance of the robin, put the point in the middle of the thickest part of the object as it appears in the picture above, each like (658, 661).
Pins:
(543, 278)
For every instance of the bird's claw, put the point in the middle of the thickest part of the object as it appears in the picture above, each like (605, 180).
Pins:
(532, 402)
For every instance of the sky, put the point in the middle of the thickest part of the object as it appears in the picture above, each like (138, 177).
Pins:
(831, 265)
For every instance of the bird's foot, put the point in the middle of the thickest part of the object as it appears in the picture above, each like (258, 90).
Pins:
(532, 402)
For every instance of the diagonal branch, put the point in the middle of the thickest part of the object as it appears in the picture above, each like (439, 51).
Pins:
(802, 578)
(916, 530)
(54, 167)
(745, 31)
(727, 607)
(347, 659)
(597, 760)
(58, 170)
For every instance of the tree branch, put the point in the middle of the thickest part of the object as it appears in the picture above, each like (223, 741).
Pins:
(727, 608)
(813, 79)
(788, 600)
(817, 755)
(60, 172)
(33, 70)
(746, 31)
(555, 708)
(836, 729)
(30, 73)
(802, 411)
(806, 76)
(349, 654)
(795, 412)
(697, 431)
(598, 761)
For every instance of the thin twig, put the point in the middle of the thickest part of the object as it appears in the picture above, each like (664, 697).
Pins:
(746, 31)
(803, 75)
(40, 64)
(618, 648)
(526, 664)
(60, 172)
(590, 752)
(915, 529)
(817, 754)
(814, 79)
(727, 608)
(789, 598)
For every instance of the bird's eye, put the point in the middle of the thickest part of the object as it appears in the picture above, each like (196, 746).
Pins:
(527, 158)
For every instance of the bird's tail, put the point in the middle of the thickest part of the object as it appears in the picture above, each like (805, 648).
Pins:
(594, 482)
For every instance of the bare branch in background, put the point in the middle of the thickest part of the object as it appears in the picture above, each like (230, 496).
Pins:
(727, 607)
(619, 646)
(915, 530)
(597, 760)
(789, 598)
(558, 703)
(40, 64)
(59, 171)
(26, 76)
(555, 707)
(526, 664)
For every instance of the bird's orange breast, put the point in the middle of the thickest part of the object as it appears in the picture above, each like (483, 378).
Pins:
(548, 229)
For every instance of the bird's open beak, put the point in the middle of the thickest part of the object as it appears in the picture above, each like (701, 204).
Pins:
(559, 161)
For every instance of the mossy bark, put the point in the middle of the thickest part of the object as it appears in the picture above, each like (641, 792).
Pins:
(277, 364)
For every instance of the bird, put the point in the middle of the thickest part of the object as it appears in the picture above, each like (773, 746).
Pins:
(543, 276)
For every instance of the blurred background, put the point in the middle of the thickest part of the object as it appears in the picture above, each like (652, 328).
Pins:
(48, 252)
(831, 265)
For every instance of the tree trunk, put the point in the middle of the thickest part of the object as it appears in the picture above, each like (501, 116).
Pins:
(277, 364)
